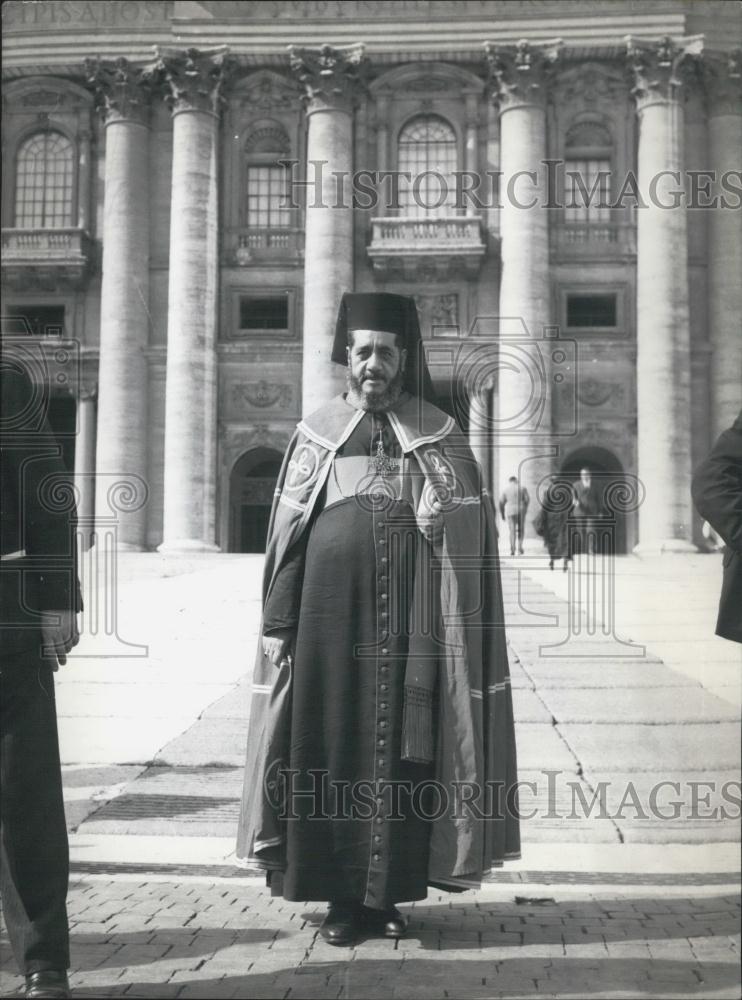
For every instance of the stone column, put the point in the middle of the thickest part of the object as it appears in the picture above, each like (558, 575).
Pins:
(522, 423)
(83, 181)
(381, 127)
(480, 431)
(194, 81)
(723, 78)
(124, 324)
(85, 465)
(471, 145)
(662, 325)
(330, 78)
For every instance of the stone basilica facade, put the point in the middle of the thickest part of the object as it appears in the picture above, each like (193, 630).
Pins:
(189, 187)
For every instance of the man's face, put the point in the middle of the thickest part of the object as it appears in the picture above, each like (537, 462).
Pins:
(375, 368)
(585, 477)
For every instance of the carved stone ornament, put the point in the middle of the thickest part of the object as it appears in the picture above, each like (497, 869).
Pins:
(122, 91)
(519, 73)
(722, 78)
(266, 93)
(593, 392)
(589, 84)
(330, 77)
(438, 311)
(194, 78)
(260, 394)
(659, 69)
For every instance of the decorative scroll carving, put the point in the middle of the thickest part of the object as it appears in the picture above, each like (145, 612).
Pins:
(122, 91)
(330, 77)
(519, 73)
(195, 78)
(659, 69)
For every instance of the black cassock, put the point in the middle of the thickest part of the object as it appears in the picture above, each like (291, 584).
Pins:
(347, 589)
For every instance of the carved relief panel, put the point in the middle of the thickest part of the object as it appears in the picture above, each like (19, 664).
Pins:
(260, 393)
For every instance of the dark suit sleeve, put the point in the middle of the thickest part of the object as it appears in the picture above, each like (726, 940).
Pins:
(40, 487)
(717, 486)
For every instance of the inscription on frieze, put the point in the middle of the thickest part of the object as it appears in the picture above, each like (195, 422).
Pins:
(69, 15)
(43, 99)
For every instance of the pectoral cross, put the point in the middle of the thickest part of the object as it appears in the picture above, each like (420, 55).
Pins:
(381, 463)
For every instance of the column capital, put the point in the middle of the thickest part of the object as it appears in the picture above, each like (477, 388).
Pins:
(87, 392)
(122, 91)
(193, 78)
(518, 74)
(331, 78)
(721, 73)
(660, 68)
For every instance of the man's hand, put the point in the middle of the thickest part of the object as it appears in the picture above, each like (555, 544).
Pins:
(430, 523)
(59, 633)
(278, 647)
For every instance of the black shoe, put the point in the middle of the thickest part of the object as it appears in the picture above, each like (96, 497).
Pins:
(388, 922)
(342, 924)
(48, 984)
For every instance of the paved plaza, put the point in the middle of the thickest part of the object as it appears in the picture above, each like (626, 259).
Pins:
(628, 887)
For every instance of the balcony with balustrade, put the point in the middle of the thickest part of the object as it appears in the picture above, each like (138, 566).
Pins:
(430, 248)
(591, 240)
(50, 258)
(271, 245)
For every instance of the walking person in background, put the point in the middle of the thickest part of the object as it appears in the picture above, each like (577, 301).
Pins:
(587, 508)
(40, 598)
(552, 522)
(513, 507)
(717, 494)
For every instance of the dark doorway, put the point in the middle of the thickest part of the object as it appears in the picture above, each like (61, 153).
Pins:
(453, 399)
(251, 488)
(607, 472)
(62, 417)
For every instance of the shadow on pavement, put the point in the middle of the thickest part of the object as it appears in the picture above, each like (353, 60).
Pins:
(476, 979)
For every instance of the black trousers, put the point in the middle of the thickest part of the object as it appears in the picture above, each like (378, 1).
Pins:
(34, 853)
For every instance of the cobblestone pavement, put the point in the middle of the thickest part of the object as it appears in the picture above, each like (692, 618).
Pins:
(154, 936)
(615, 906)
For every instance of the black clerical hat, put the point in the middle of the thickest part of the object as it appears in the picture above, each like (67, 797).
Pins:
(392, 314)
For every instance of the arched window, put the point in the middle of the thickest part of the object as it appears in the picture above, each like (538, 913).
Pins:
(44, 182)
(587, 173)
(267, 203)
(427, 151)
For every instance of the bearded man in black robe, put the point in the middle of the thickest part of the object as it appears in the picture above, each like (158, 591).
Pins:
(381, 716)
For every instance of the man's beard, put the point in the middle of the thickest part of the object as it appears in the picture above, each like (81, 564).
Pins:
(376, 401)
